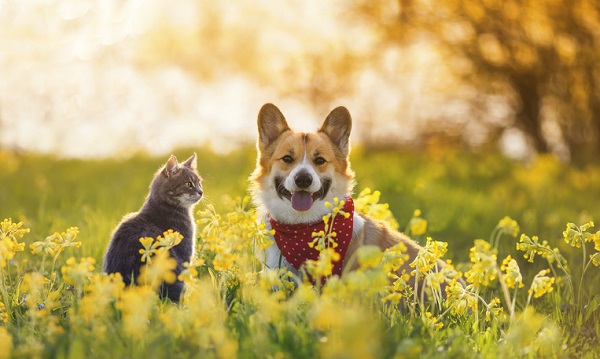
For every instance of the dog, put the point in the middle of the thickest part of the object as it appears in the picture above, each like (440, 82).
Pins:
(296, 174)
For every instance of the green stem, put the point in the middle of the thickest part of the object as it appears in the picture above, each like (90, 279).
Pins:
(43, 261)
(530, 291)
(507, 299)
(495, 237)
(477, 309)
(416, 293)
(529, 298)
(583, 268)
(514, 300)
(581, 279)
(5, 299)
(449, 308)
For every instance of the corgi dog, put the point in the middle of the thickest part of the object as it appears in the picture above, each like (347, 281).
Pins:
(296, 174)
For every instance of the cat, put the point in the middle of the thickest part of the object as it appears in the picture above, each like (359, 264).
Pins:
(175, 190)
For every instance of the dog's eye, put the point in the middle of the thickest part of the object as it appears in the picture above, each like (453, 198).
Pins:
(287, 159)
(319, 161)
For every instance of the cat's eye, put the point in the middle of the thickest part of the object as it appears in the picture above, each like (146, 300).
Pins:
(319, 161)
(287, 159)
(189, 184)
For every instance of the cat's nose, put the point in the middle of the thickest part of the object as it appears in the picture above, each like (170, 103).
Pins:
(199, 190)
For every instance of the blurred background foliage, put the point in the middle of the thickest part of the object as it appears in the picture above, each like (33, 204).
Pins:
(81, 78)
(540, 57)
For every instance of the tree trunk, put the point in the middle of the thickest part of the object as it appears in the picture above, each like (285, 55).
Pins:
(595, 112)
(526, 88)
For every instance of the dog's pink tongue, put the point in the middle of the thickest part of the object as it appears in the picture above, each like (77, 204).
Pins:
(301, 201)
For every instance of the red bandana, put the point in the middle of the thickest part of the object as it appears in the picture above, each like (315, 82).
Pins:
(293, 239)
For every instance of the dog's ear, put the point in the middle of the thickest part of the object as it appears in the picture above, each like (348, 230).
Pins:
(271, 124)
(337, 126)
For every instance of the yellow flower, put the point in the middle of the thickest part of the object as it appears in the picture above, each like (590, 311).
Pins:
(417, 226)
(5, 343)
(149, 249)
(326, 314)
(597, 241)
(394, 257)
(459, 299)
(493, 309)
(400, 283)
(160, 270)
(67, 239)
(481, 247)
(595, 258)
(512, 273)
(576, 235)
(509, 226)
(3, 314)
(137, 304)
(548, 340)
(326, 238)
(369, 257)
(393, 297)
(322, 267)
(190, 272)
(541, 284)
(47, 246)
(262, 237)
(427, 257)
(9, 245)
(107, 286)
(75, 273)
(12, 230)
(367, 202)
(532, 246)
(434, 280)
(152, 247)
(223, 261)
(34, 288)
(432, 322)
(170, 239)
(483, 267)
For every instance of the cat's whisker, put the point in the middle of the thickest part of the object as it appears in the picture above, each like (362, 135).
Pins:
(205, 201)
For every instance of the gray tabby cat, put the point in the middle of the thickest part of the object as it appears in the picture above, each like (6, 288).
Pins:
(175, 190)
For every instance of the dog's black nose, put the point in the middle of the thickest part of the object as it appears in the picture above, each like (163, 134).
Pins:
(303, 180)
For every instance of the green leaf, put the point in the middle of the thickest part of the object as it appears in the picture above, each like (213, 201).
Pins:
(592, 307)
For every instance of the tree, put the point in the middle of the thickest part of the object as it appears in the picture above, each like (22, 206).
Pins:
(545, 53)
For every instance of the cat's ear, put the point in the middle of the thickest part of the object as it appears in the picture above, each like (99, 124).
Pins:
(271, 124)
(337, 126)
(191, 162)
(171, 166)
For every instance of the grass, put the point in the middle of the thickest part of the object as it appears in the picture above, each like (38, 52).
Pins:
(231, 309)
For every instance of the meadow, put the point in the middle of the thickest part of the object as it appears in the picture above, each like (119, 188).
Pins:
(521, 235)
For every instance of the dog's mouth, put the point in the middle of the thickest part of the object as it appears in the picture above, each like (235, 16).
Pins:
(301, 200)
